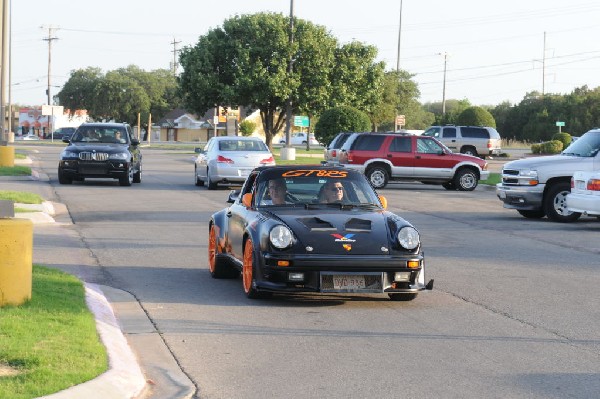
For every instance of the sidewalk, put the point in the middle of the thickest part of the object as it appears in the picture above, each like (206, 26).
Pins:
(140, 364)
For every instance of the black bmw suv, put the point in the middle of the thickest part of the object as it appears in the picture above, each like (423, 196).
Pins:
(101, 150)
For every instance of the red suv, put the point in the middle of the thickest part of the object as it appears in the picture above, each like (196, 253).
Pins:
(392, 156)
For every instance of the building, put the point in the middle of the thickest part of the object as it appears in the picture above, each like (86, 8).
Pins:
(31, 121)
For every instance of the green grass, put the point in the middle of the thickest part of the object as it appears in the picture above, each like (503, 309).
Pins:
(51, 340)
(21, 197)
(20, 156)
(23, 210)
(492, 180)
(18, 170)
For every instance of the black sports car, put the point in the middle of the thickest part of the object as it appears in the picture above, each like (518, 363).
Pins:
(314, 229)
(101, 150)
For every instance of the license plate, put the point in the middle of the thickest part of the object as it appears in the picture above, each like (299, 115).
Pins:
(244, 172)
(348, 282)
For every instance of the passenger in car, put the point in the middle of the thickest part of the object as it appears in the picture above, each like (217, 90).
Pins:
(331, 192)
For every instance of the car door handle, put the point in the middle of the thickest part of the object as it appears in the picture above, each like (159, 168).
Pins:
(417, 157)
(228, 214)
(454, 141)
(389, 155)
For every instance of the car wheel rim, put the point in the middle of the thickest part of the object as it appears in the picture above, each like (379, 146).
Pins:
(560, 204)
(468, 180)
(212, 249)
(377, 178)
(247, 267)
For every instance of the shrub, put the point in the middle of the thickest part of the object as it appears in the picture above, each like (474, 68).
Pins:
(536, 148)
(552, 147)
(564, 138)
(340, 119)
(247, 127)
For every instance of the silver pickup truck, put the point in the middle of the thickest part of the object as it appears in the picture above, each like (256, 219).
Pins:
(538, 186)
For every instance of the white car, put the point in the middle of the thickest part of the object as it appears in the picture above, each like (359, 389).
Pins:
(29, 137)
(229, 160)
(300, 138)
(585, 193)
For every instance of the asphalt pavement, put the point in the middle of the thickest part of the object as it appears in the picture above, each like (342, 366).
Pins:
(141, 366)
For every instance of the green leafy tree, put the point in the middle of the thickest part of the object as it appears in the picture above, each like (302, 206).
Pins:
(453, 109)
(246, 62)
(78, 91)
(340, 119)
(247, 127)
(120, 98)
(476, 116)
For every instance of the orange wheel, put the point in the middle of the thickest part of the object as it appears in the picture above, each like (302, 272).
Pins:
(247, 272)
(212, 250)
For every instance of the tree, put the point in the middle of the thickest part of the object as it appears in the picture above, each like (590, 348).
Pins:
(79, 91)
(246, 62)
(340, 119)
(476, 116)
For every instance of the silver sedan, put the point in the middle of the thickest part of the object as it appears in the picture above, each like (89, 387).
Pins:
(229, 160)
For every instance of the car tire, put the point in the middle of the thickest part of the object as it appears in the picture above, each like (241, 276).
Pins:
(468, 150)
(378, 176)
(249, 272)
(402, 297)
(466, 179)
(449, 186)
(210, 185)
(199, 181)
(532, 214)
(62, 179)
(137, 176)
(216, 267)
(127, 180)
(555, 204)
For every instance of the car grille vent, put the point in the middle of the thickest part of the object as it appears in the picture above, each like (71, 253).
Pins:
(93, 156)
(358, 225)
(317, 224)
(510, 172)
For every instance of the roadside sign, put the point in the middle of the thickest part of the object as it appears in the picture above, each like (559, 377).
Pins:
(400, 120)
(301, 121)
(560, 123)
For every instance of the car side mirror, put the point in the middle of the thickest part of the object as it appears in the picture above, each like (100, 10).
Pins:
(135, 142)
(233, 195)
(441, 152)
(198, 150)
(66, 139)
(383, 201)
(247, 200)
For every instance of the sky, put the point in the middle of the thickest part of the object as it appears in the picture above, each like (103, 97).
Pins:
(488, 52)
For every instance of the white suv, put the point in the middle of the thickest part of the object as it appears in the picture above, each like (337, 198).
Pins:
(472, 140)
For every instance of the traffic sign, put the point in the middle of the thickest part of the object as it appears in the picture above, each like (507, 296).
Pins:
(560, 123)
(400, 120)
(301, 121)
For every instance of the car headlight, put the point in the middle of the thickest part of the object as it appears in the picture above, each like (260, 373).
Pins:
(529, 173)
(123, 156)
(69, 154)
(408, 237)
(280, 236)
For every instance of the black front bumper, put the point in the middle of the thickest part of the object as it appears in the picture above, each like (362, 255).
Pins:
(319, 271)
(107, 169)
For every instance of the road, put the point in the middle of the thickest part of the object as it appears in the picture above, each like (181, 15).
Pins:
(515, 312)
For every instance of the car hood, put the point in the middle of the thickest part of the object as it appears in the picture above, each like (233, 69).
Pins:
(563, 162)
(332, 232)
(96, 147)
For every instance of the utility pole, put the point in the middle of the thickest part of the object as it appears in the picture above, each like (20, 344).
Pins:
(49, 39)
(175, 51)
(289, 152)
(4, 80)
(544, 68)
(399, 34)
(444, 87)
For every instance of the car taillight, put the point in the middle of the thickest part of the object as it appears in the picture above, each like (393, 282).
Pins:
(267, 160)
(222, 159)
(333, 153)
(572, 183)
(593, 185)
(489, 144)
(344, 157)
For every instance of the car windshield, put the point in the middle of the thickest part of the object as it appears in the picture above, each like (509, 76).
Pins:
(587, 145)
(242, 145)
(314, 188)
(100, 134)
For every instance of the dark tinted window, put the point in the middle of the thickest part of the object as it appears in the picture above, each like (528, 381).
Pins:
(474, 133)
(401, 144)
(339, 141)
(368, 142)
(449, 132)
